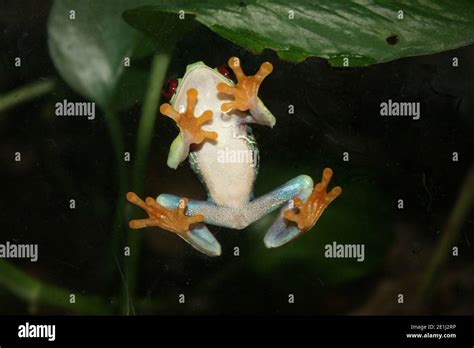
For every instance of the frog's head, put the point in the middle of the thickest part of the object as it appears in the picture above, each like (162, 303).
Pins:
(219, 94)
(244, 91)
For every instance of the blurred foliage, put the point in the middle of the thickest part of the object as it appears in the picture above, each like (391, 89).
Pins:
(365, 32)
(89, 47)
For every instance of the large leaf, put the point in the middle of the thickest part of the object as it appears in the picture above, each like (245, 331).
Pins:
(165, 27)
(89, 51)
(364, 31)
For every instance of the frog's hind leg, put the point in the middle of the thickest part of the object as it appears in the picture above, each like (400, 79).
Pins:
(202, 239)
(302, 211)
(199, 235)
(172, 214)
(281, 232)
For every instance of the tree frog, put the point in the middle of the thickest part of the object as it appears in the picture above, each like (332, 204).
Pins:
(213, 115)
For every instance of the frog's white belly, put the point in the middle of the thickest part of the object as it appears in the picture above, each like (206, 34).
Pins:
(227, 166)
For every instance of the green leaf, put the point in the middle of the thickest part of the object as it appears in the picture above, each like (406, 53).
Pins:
(366, 32)
(165, 27)
(89, 51)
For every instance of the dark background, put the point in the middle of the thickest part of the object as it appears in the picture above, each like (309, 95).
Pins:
(336, 110)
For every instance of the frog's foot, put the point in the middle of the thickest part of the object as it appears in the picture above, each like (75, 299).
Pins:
(296, 217)
(246, 90)
(305, 215)
(196, 232)
(172, 220)
(189, 125)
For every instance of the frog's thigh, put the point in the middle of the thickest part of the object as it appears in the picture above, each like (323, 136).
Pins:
(241, 217)
(213, 214)
(301, 185)
(194, 206)
(198, 236)
(281, 232)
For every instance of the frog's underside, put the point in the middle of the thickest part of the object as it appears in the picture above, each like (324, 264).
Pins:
(224, 154)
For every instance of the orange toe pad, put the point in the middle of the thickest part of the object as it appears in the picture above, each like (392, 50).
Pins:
(246, 90)
(187, 123)
(173, 220)
(305, 215)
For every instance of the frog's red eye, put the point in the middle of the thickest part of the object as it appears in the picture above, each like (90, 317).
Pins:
(169, 89)
(224, 71)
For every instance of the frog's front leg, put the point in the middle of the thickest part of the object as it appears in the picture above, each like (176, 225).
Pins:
(174, 216)
(189, 126)
(245, 93)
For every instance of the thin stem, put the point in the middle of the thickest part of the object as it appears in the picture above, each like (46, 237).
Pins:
(26, 93)
(158, 71)
(451, 233)
(38, 293)
(150, 109)
(115, 132)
